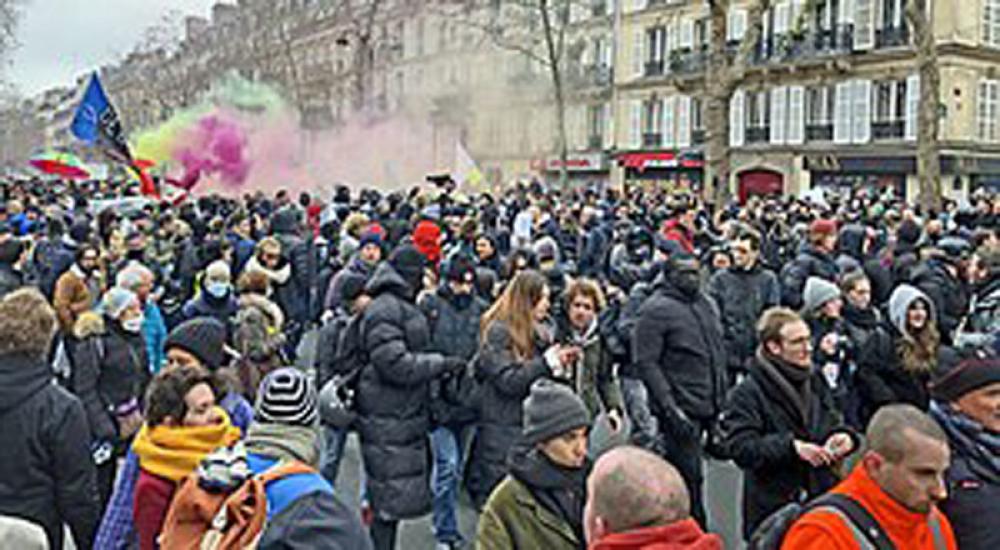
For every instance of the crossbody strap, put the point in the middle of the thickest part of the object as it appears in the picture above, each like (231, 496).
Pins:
(867, 532)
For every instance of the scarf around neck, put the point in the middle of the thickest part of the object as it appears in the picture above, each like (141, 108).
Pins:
(970, 439)
(173, 452)
(284, 442)
(791, 381)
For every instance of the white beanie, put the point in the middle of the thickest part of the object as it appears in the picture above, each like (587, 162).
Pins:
(816, 293)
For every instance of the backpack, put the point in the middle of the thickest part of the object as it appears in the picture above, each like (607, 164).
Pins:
(62, 359)
(771, 532)
(205, 519)
(336, 397)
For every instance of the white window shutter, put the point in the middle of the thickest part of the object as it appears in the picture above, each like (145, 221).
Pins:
(636, 5)
(669, 106)
(635, 124)
(981, 111)
(674, 38)
(861, 114)
(639, 39)
(779, 114)
(842, 105)
(737, 24)
(606, 53)
(798, 21)
(912, 106)
(796, 115)
(845, 13)
(683, 121)
(737, 121)
(782, 15)
(687, 33)
(864, 24)
(607, 119)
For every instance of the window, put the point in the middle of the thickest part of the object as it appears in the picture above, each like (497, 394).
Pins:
(884, 98)
(986, 110)
(697, 116)
(652, 116)
(991, 23)
(819, 106)
(655, 40)
(595, 126)
(758, 109)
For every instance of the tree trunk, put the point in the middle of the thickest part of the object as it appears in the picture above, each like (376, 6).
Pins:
(716, 183)
(928, 154)
(555, 66)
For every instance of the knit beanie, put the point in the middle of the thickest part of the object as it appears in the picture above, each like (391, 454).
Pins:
(117, 300)
(286, 396)
(371, 235)
(818, 292)
(409, 263)
(203, 337)
(967, 376)
(823, 227)
(460, 269)
(550, 410)
(427, 239)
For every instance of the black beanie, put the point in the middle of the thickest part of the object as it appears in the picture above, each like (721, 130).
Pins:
(550, 410)
(351, 286)
(203, 337)
(409, 263)
(967, 376)
(460, 269)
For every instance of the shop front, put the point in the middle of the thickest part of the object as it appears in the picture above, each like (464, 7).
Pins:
(673, 171)
(845, 174)
(583, 169)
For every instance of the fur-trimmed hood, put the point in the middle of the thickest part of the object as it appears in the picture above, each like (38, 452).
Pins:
(89, 324)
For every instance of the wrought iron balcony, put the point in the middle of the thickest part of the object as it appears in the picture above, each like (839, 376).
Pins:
(689, 61)
(698, 136)
(888, 130)
(892, 37)
(599, 8)
(819, 132)
(652, 140)
(595, 142)
(760, 134)
(654, 68)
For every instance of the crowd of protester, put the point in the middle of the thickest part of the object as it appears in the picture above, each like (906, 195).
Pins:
(569, 360)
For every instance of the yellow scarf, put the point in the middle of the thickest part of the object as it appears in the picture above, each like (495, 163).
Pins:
(173, 452)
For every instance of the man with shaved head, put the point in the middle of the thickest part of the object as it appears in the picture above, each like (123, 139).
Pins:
(637, 500)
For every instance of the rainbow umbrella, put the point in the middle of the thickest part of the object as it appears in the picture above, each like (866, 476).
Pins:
(56, 163)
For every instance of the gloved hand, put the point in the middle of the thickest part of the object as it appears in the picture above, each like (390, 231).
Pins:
(454, 365)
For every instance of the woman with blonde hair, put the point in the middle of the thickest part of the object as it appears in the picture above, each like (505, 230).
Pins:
(516, 349)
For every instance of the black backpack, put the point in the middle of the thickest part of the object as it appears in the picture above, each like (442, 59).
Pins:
(336, 397)
(771, 533)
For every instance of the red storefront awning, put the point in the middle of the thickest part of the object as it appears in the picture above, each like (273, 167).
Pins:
(659, 159)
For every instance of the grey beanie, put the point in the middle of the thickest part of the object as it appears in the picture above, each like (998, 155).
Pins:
(816, 293)
(550, 410)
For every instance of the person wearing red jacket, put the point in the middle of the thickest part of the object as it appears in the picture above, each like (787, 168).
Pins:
(638, 501)
(899, 482)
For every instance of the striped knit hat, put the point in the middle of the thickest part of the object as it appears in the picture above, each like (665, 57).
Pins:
(286, 396)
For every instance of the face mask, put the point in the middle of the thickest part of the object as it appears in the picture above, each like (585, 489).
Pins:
(686, 280)
(133, 325)
(218, 290)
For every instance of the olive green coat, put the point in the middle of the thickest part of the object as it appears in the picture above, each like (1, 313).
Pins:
(514, 520)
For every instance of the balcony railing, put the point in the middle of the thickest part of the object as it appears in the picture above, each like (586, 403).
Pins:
(698, 136)
(595, 142)
(654, 68)
(652, 140)
(819, 132)
(888, 130)
(598, 75)
(892, 37)
(599, 8)
(760, 134)
(689, 61)
(807, 45)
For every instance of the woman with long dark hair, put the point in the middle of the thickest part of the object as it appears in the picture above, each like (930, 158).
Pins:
(516, 349)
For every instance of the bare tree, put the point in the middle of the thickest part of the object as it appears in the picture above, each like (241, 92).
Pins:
(10, 17)
(928, 153)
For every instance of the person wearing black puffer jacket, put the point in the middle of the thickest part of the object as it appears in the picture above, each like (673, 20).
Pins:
(393, 412)
(941, 278)
(296, 296)
(453, 312)
(781, 424)
(899, 358)
(48, 475)
(814, 260)
(855, 245)
(679, 352)
(741, 293)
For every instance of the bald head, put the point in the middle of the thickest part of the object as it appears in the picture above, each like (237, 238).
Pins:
(630, 487)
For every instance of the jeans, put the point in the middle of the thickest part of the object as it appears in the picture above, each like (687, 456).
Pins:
(447, 444)
(333, 452)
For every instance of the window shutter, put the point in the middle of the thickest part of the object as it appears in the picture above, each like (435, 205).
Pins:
(864, 24)
(779, 115)
(669, 129)
(635, 124)
(737, 122)
(981, 109)
(687, 34)
(861, 114)
(912, 106)
(683, 121)
(608, 126)
(737, 24)
(842, 104)
(639, 38)
(637, 5)
(606, 53)
(845, 13)
(782, 15)
(796, 115)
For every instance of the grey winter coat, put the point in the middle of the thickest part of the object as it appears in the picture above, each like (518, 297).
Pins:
(741, 297)
(392, 398)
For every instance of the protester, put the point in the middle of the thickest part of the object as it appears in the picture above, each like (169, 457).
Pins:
(679, 352)
(182, 426)
(539, 504)
(899, 482)
(516, 349)
(393, 414)
(48, 475)
(140, 279)
(941, 277)
(781, 424)
(638, 501)
(78, 289)
(967, 406)
(814, 260)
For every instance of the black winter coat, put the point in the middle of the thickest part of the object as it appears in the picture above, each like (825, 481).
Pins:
(758, 428)
(880, 377)
(47, 475)
(109, 369)
(679, 352)
(455, 333)
(741, 297)
(392, 398)
(950, 296)
(505, 381)
(296, 296)
(809, 263)
(10, 279)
